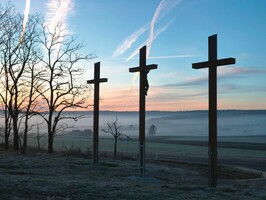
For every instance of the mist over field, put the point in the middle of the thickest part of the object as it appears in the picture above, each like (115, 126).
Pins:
(185, 123)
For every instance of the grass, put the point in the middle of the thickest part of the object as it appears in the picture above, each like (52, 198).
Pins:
(64, 176)
(153, 148)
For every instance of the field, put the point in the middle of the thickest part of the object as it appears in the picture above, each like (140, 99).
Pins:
(170, 145)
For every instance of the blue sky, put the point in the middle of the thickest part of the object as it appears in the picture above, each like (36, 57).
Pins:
(176, 32)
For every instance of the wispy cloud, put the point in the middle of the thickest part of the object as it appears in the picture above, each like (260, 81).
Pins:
(25, 20)
(222, 73)
(193, 81)
(228, 71)
(58, 11)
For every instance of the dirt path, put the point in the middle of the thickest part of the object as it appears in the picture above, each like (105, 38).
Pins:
(220, 144)
(252, 163)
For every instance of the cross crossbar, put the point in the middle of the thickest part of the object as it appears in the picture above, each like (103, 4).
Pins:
(101, 80)
(147, 67)
(97, 78)
(215, 63)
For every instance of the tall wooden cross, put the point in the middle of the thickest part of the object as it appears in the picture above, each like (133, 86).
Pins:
(143, 89)
(96, 81)
(212, 64)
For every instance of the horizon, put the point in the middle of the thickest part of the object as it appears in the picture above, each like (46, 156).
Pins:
(136, 111)
(176, 34)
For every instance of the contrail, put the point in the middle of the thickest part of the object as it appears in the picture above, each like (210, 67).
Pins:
(130, 40)
(165, 6)
(153, 21)
(25, 20)
(174, 56)
(149, 41)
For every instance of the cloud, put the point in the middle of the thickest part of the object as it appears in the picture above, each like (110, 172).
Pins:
(236, 70)
(222, 73)
(58, 11)
(228, 71)
(195, 81)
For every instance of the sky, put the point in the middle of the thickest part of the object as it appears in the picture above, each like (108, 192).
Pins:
(176, 34)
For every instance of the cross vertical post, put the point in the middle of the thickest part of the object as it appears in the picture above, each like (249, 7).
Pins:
(96, 81)
(212, 43)
(143, 88)
(212, 64)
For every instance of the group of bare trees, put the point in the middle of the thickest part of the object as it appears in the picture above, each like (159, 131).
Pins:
(39, 75)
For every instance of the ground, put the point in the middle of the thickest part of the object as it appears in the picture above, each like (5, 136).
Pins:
(63, 176)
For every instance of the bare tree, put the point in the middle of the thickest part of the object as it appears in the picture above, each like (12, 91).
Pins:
(38, 137)
(31, 76)
(115, 130)
(5, 13)
(62, 89)
(18, 57)
(152, 130)
(39, 72)
(10, 58)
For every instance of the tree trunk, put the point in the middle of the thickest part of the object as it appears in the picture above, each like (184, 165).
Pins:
(7, 128)
(38, 142)
(16, 136)
(24, 146)
(25, 140)
(50, 142)
(115, 148)
(6, 142)
(7, 132)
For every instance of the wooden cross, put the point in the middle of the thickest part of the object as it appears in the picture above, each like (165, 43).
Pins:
(212, 64)
(143, 89)
(96, 81)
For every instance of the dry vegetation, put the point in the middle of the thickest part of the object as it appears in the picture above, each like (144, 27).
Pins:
(71, 175)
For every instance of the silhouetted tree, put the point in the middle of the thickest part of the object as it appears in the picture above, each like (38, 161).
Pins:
(31, 75)
(115, 130)
(39, 75)
(18, 57)
(38, 136)
(62, 88)
(5, 23)
(14, 58)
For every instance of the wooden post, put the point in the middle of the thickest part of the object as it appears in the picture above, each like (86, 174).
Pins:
(212, 64)
(143, 88)
(96, 81)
